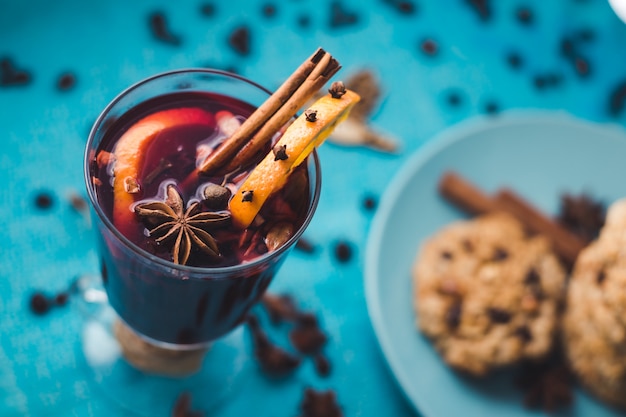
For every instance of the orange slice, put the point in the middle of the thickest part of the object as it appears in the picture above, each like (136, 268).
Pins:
(129, 152)
(299, 140)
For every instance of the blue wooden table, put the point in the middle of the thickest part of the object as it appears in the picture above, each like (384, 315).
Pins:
(438, 63)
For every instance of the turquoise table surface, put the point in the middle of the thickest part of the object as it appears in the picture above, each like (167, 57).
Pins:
(438, 63)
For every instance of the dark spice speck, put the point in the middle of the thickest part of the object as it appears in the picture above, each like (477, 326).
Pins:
(492, 108)
(304, 21)
(39, 303)
(305, 245)
(582, 66)
(524, 15)
(268, 10)
(343, 251)
(514, 60)
(429, 47)
(482, 8)
(43, 200)
(322, 365)
(405, 7)
(369, 202)
(11, 75)
(320, 404)
(207, 9)
(340, 16)
(66, 81)
(160, 29)
(617, 99)
(453, 99)
(239, 40)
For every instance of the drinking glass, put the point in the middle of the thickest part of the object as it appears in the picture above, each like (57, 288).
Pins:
(171, 306)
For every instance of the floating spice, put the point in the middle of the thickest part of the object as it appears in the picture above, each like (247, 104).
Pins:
(280, 153)
(181, 229)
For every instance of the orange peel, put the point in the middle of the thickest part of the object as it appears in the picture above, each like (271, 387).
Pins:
(130, 149)
(299, 140)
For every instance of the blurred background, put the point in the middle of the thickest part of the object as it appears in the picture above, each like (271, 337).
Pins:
(437, 63)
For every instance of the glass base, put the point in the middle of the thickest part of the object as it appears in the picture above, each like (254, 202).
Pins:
(221, 374)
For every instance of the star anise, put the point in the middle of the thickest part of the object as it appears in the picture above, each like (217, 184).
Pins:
(170, 224)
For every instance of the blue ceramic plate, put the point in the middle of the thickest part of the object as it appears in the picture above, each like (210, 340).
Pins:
(540, 156)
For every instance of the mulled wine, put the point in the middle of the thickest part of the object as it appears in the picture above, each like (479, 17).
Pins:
(190, 130)
(175, 268)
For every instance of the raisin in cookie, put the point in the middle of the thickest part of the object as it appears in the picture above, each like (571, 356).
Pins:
(595, 319)
(486, 294)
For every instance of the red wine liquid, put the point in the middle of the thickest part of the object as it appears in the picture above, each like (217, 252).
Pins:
(182, 307)
(172, 156)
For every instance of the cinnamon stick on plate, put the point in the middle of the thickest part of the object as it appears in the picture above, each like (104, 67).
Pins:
(465, 195)
(565, 243)
(472, 200)
(274, 113)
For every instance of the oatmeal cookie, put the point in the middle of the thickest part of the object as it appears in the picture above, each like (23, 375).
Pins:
(595, 319)
(486, 294)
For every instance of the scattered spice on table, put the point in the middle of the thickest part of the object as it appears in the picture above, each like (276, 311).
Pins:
(182, 407)
(319, 404)
(340, 16)
(240, 40)
(546, 385)
(12, 75)
(160, 29)
(305, 245)
(43, 200)
(343, 251)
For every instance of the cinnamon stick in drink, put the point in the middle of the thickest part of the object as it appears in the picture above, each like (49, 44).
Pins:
(274, 113)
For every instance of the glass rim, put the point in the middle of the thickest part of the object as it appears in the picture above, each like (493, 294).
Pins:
(147, 256)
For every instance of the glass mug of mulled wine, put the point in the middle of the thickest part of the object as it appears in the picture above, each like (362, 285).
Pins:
(175, 269)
